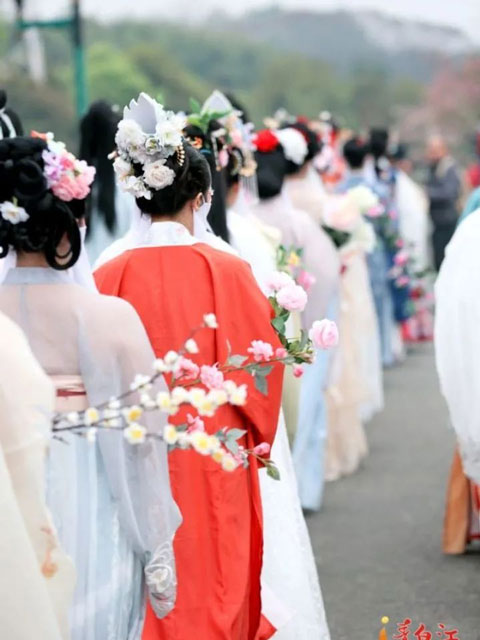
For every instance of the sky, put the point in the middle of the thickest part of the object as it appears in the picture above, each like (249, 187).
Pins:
(464, 14)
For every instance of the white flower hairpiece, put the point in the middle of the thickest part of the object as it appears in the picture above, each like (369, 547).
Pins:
(148, 135)
(11, 212)
(294, 144)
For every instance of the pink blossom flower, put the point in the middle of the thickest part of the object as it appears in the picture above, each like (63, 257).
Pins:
(187, 370)
(195, 423)
(324, 334)
(402, 281)
(65, 189)
(401, 258)
(211, 377)
(277, 280)
(306, 280)
(399, 243)
(292, 298)
(261, 351)
(281, 353)
(297, 370)
(82, 186)
(262, 449)
(376, 211)
(52, 166)
(67, 160)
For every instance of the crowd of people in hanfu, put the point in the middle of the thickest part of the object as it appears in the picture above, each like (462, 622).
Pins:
(195, 319)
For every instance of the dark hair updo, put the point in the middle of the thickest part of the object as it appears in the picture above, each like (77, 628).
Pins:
(192, 178)
(23, 182)
(378, 142)
(10, 123)
(211, 144)
(355, 150)
(271, 172)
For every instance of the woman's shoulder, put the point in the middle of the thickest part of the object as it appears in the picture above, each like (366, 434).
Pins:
(104, 308)
(220, 258)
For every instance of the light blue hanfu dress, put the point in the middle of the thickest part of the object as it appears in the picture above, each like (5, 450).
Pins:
(110, 501)
(378, 268)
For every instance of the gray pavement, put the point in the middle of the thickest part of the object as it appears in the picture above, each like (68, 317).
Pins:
(377, 540)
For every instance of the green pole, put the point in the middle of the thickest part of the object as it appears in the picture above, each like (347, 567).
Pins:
(75, 25)
(81, 93)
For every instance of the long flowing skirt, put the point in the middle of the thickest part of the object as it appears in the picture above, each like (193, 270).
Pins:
(291, 596)
(108, 601)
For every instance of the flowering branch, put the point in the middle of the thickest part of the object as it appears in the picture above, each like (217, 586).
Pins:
(118, 415)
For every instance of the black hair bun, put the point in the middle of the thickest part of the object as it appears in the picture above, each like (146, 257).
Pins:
(271, 172)
(192, 178)
(355, 150)
(23, 182)
(10, 123)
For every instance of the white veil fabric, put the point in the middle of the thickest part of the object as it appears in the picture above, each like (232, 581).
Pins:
(457, 339)
(412, 207)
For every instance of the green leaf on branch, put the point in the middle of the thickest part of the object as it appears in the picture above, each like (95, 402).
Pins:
(303, 340)
(261, 383)
(272, 471)
(232, 446)
(265, 370)
(195, 106)
(235, 434)
(236, 361)
(278, 324)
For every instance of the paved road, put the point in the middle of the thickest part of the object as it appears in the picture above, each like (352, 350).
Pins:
(378, 538)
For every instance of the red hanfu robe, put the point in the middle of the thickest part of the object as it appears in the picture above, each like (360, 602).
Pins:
(218, 547)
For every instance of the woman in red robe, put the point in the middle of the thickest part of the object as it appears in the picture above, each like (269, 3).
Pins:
(173, 281)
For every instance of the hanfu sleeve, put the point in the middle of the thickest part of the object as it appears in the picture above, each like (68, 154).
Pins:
(138, 473)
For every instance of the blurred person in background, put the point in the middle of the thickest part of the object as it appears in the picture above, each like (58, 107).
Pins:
(473, 171)
(443, 187)
(361, 172)
(412, 208)
(110, 210)
(281, 153)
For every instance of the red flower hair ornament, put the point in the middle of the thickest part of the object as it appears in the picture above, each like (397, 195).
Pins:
(265, 141)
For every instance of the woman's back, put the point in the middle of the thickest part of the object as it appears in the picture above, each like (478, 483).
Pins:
(218, 547)
(64, 322)
(100, 342)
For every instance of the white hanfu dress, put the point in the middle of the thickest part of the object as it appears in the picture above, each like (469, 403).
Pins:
(37, 578)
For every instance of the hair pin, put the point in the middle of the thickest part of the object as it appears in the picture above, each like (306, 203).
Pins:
(180, 150)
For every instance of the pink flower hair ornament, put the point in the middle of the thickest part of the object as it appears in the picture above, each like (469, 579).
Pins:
(68, 177)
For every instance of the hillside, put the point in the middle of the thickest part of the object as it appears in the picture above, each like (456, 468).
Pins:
(350, 40)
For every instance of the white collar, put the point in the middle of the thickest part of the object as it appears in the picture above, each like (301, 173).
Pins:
(165, 234)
